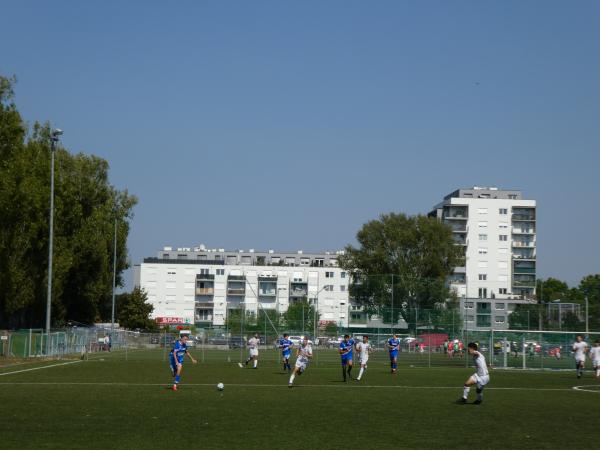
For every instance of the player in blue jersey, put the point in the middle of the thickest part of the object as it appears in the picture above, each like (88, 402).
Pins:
(286, 345)
(393, 345)
(176, 358)
(346, 347)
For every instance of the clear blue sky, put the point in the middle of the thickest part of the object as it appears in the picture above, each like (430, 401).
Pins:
(287, 125)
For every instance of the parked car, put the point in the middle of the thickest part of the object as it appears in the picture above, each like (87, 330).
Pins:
(220, 339)
(237, 342)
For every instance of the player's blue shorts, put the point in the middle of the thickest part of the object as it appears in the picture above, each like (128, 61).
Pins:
(393, 354)
(346, 358)
(172, 362)
(286, 355)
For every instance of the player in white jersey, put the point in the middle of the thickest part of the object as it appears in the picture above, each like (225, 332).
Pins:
(364, 348)
(480, 378)
(253, 344)
(579, 349)
(595, 355)
(303, 356)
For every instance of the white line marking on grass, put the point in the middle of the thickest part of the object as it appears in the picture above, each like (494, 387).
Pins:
(68, 383)
(37, 368)
(583, 388)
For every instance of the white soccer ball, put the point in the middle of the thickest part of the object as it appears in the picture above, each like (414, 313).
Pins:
(220, 386)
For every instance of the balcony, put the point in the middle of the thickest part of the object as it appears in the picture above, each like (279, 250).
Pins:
(236, 292)
(205, 291)
(524, 284)
(267, 286)
(523, 244)
(205, 277)
(523, 231)
(523, 214)
(524, 270)
(298, 289)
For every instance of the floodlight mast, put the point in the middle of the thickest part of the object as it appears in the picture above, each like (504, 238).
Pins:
(54, 137)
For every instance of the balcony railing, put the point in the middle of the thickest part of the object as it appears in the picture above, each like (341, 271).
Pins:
(524, 270)
(205, 291)
(236, 291)
(529, 284)
(523, 244)
(523, 231)
(524, 217)
(523, 256)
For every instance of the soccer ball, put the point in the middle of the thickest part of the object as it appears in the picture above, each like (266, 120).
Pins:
(220, 386)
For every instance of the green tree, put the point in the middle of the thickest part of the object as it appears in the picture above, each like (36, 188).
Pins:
(301, 317)
(85, 209)
(524, 317)
(551, 289)
(133, 311)
(402, 261)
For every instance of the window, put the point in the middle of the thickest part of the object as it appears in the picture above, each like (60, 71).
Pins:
(328, 287)
(500, 306)
(182, 256)
(503, 291)
(512, 196)
(482, 277)
(469, 317)
(503, 225)
(482, 210)
(343, 288)
(165, 256)
(468, 305)
(503, 237)
(329, 274)
(483, 237)
(482, 251)
(343, 274)
(201, 257)
(502, 211)
(203, 271)
(499, 319)
(220, 271)
(482, 224)
(482, 292)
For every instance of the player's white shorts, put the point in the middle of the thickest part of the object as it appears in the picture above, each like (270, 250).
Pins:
(596, 363)
(364, 360)
(253, 352)
(580, 359)
(481, 381)
(301, 364)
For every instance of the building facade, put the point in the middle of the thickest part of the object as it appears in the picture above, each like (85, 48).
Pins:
(201, 286)
(483, 314)
(497, 230)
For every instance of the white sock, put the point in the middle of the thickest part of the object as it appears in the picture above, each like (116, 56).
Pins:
(360, 373)
(255, 363)
(466, 391)
(598, 372)
(292, 378)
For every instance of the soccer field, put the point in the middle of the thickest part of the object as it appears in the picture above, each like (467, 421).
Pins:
(110, 402)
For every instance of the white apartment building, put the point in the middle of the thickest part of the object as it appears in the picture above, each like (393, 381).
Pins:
(497, 229)
(200, 286)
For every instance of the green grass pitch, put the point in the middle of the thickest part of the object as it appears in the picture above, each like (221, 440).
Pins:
(110, 402)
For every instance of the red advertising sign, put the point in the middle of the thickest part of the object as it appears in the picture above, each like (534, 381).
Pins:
(169, 320)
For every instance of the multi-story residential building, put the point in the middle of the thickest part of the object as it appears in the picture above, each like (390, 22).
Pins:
(483, 314)
(201, 286)
(497, 229)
